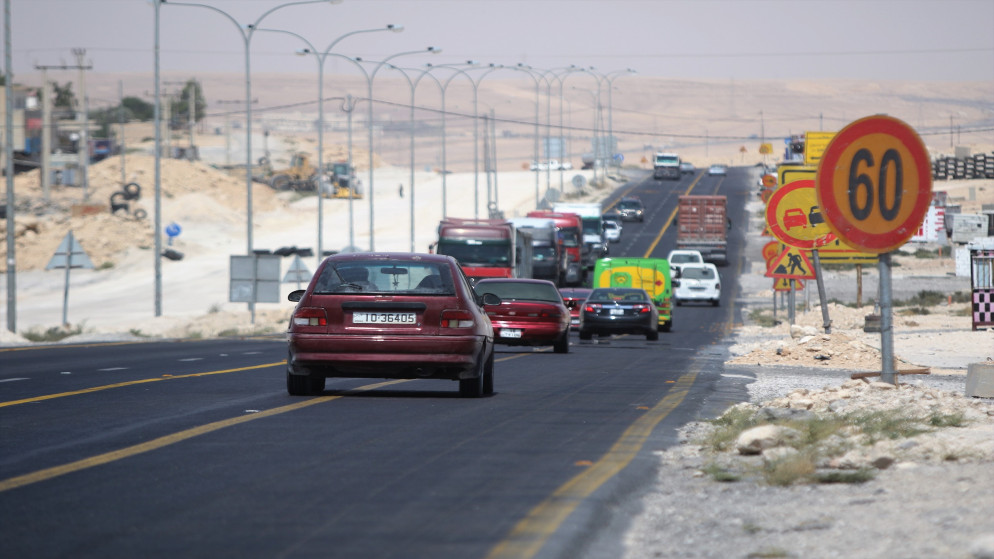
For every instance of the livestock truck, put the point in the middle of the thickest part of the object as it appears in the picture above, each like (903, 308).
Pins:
(666, 166)
(486, 248)
(651, 274)
(702, 225)
(569, 229)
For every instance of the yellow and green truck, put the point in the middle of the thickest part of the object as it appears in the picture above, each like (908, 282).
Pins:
(650, 274)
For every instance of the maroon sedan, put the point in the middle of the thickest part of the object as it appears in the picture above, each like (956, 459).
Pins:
(390, 315)
(531, 312)
(573, 298)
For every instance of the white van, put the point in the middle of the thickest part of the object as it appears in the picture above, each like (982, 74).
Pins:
(698, 282)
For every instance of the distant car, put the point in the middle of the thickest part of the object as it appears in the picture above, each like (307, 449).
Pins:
(687, 168)
(390, 315)
(717, 169)
(677, 258)
(565, 166)
(573, 298)
(618, 310)
(631, 209)
(612, 231)
(531, 312)
(698, 282)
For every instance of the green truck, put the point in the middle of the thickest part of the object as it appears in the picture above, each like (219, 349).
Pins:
(650, 274)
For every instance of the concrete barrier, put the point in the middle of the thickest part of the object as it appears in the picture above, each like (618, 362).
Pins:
(980, 380)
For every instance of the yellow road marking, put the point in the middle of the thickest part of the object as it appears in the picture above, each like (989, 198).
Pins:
(134, 382)
(107, 457)
(530, 534)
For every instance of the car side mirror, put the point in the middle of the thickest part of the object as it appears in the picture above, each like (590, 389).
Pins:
(296, 296)
(490, 299)
(676, 283)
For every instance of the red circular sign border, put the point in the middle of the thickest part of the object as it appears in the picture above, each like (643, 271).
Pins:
(877, 124)
(779, 233)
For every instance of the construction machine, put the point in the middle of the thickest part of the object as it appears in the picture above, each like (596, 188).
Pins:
(300, 175)
(343, 181)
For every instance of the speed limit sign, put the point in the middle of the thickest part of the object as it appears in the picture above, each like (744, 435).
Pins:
(874, 184)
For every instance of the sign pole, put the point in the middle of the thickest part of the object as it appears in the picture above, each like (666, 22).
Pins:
(791, 303)
(826, 322)
(886, 321)
(65, 290)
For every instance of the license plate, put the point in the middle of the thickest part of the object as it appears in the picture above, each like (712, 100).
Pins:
(617, 311)
(383, 318)
(510, 333)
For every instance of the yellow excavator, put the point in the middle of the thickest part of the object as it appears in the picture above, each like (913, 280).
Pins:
(300, 175)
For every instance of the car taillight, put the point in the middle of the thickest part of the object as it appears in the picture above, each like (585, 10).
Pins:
(717, 286)
(545, 314)
(642, 308)
(310, 316)
(457, 319)
(591, 307)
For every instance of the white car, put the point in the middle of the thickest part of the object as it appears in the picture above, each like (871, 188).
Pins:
(677, 258)
(612, 231)
(717, 169)
(698, 282)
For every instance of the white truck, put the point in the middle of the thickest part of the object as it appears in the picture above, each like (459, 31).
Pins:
(666, 166)
(590, 214)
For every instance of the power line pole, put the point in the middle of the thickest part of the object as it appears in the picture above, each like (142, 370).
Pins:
(82, 117)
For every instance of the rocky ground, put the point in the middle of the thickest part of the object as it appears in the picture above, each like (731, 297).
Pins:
(923, 496)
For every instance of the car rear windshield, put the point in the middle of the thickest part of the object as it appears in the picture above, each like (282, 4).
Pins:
(520, 291)
(378, 276)
(698, 273)
(684, 258)
(611, 295)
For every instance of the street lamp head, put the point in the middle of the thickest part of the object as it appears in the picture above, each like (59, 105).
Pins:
(395, 28)
(303, 52)
(434, 50)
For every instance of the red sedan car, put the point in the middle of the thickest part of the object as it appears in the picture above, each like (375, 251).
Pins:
(390, 315)
(573, 298)
(531, 312)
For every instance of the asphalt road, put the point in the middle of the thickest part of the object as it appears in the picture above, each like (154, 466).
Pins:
(194, 449)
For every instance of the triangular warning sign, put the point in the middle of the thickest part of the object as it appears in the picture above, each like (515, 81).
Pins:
(792, 263)
(70, 254)
(298, 271)
(783, 284)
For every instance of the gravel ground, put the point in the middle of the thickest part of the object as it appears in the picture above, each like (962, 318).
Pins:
(914, 509)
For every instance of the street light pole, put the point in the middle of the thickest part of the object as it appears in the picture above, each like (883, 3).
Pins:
(246, 33)
(532, 74)
(321, 57)
(609, 79)
(369, 84)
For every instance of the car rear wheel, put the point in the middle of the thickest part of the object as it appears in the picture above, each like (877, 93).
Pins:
(562, 344)
(666, 326)
(585, 335)
(476, 386)
(302, 385)
(652, 335)
(488, 380)
(715, 302)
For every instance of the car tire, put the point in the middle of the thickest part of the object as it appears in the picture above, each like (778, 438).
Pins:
(474, 387)
(303, 385)
(652, 335)
(666, 326)
(677, 301)
(488, 380)
(562, 344)
(715, 302)
(585, 335)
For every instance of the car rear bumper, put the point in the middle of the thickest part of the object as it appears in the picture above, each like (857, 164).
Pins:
(401, 357)
(531, 333)
(617, 326)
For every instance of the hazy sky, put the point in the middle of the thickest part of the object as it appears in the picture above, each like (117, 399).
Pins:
(746, 39)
